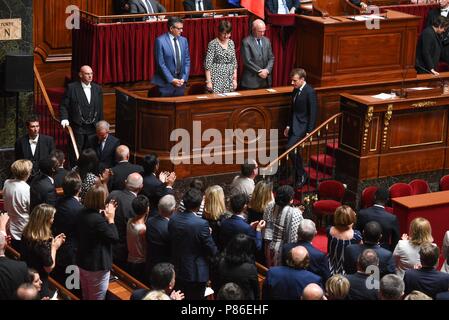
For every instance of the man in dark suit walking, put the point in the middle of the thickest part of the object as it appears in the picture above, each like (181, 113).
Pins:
(42, 187)
(258, 58)
(34, 146)
(171, 53)
(104, 145)
(82, 107)
(428, 50)
(123, 169)
(191, 247)
(388, 221)
(302, 120)
(197, 5)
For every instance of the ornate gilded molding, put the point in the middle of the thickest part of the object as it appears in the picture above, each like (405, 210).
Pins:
(424, 104)
(368, 118)
(387, 119)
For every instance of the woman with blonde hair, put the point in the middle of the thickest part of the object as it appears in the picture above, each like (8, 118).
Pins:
(215, 210)
(337, 287)
(38, 245)
(262, 196)
(340, 236)
(406, 253)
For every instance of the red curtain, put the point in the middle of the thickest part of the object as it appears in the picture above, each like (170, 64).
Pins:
(420, 10)
(123, 52)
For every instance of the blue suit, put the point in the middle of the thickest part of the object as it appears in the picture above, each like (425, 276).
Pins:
(318, 264)
(427, 280)
(352, 252)
(166, 65)
(234, 226)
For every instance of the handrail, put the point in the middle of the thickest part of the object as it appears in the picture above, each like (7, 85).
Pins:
(177, 13)
(127, 277)
(53, 282)
(303, 140)
(50, 107)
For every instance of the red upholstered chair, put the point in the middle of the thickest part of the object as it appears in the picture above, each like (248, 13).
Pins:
(400, 189)
(389, 209)
(330, 195)
(444, 183)
(368, 196)
(419, 186)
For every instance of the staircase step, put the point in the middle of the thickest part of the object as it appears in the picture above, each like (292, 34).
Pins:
(332, 146)
(305, 189)
(325, 162)
(316, 176)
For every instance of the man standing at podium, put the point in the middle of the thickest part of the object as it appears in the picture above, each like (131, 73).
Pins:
(302, 120)
(171, 53)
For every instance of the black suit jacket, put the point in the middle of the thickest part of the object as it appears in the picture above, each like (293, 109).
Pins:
(190, 5)
(426, 280)
(431, 16)
(245, 275)
(272, 5)
(191, 246)
(107, 156)
(304, 112)
(428, 51)
(136, 6)
(388, 222)
(45, 146)
(42, 191)
(352, 252)
(66, 218)
(358, 289)
(121, 172)
(12, 274)
(59, 176)
(154, 189)
(158, 242)
(95, 239)
(75, 108)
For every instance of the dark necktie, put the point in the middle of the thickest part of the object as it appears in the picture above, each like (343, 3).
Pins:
(150, 7)
(259, 42)
(200, 5)
(177, 57)
(296, 95)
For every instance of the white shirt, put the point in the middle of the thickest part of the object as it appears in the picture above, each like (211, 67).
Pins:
(51, 180)
(282, 7)
(199, 5)
(87, 90)
(444, 12)
(33, 144)
(16, 194)
(173, 45)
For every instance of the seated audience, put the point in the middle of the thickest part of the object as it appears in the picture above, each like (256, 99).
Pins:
(244, 183)
(96, 235)
(215, 210)
(123, 169)
(417, 295)
(197, 5)
(136, 237)
(282, 221)
(16, 195)
(340, 236)
(288, 282)
(60, 171)
(35, 280)
(236, 223)
(157, 236)
(12, 273)
(104, 145)
(313, 292)
(34, 146)
(391, 287)
(231, 291)
(262, 196)
(282, 6)
(361, 286)
(388, 221)
(337, 287)
(427, 279)
(318, 264)
(406, 253)
(42, 187)
(237, 265)
(199, 185)
(38, 245)
(372, 234)
(221, 63)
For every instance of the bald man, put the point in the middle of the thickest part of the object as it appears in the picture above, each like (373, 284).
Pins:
(123, 169)
(81, 108)
(288, 282)
(313, 292)
(258, 58)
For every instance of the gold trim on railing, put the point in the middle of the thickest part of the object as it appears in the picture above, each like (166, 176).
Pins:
(387, 119)
(368, 118)
(424, 104)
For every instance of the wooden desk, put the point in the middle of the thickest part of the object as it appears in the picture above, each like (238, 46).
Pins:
(338, 50)
(382, 138)
(432, 206)
(145, 124)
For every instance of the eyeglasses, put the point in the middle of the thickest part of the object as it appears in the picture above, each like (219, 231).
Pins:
(178, 28)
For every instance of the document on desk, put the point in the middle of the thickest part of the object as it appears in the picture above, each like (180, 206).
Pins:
(420, 88)
(229, 94)
(366, 17)
(383, 96)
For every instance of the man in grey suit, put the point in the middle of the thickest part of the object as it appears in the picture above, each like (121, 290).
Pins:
(257, 57)
(145, 6)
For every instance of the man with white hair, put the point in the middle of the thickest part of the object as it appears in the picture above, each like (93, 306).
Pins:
(124, 212)
(12, 273)
(104, 144)
(123, 168)
(313, 292)
(318, 263)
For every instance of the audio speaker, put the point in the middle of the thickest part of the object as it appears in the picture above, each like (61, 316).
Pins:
(19, 75)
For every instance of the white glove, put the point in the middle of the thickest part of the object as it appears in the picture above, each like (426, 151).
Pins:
(65, 123)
